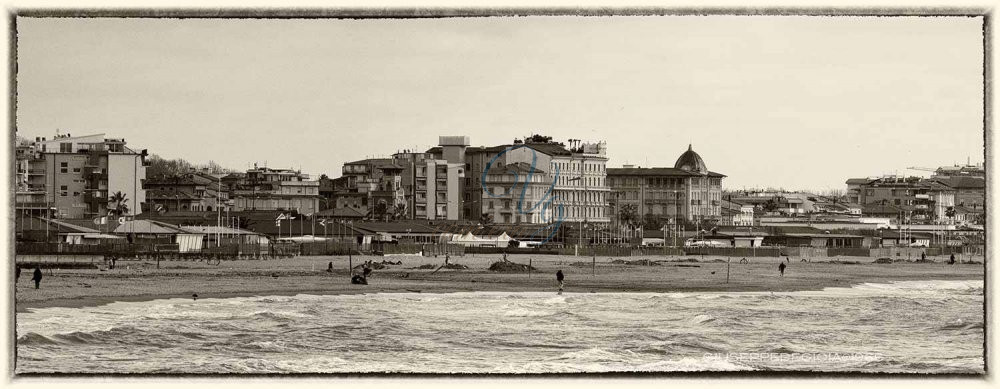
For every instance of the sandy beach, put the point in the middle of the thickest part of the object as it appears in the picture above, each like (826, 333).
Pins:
(141, 280)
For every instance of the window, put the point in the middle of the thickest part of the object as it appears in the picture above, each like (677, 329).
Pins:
(63, 187)
(76, 193)
(76, 170)
(63, 164)
(65, 147)
(63, 170)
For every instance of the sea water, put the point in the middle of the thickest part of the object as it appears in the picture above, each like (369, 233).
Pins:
(913, 326)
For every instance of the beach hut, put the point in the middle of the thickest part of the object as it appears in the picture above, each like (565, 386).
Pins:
(152, 231)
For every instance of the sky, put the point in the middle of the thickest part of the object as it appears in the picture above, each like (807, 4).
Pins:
(798, 102)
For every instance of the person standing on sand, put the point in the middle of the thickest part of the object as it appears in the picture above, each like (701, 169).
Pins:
(17, 273)
(923, 256)
(37, 276)
(952, 261)
(329, 267)
(560, 278)
(781, 268)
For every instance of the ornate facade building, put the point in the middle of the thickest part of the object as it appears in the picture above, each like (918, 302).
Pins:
(687, 191)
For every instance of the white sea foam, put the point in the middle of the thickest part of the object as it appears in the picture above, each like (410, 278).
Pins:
(508, 332)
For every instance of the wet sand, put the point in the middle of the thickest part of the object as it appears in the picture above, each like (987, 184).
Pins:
(141, 280)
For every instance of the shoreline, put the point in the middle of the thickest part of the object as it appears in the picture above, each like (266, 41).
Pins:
(259, 279)
(82, 302)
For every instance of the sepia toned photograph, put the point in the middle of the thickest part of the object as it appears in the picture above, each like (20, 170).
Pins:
(498, 193)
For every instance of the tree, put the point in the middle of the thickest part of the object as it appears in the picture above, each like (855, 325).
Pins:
(651, 222)
(486, 219)
(159, 167)
(119, 202)
(950, 213)
(399, 211)
(770, 205)
(627, 214)
(381, 210)
(244, 223)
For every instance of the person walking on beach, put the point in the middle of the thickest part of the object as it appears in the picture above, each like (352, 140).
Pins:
(781, 268)
(952, 261)
(329, 267)
(37, 276)
(560, 278)
(923, 256)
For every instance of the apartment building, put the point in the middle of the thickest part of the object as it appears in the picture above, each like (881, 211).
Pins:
(73, 176)
(266, 189)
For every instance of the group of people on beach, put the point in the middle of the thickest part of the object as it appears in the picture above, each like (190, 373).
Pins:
(36, 276)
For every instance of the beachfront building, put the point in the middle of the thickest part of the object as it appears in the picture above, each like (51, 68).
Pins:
(970, 191)
(266, 189)
(776, 202)
(504, 202)
(197, 190)
(736, 214)
(581, 188)
(437, 190)
(577, 175)
(73, 177)
(968, 170)
(434, 183)
(687, 191)
(372, 187)
(29, 197)
(327, 199)
(916, 200)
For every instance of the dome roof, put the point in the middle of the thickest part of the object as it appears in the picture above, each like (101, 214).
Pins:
(691, 162)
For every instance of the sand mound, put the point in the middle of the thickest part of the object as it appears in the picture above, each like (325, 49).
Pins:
(509, 267)
(638, 262)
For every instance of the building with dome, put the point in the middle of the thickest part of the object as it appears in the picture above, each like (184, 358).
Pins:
(687, 191)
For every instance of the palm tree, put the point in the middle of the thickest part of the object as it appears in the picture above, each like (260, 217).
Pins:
(399, 211)
(120, 204)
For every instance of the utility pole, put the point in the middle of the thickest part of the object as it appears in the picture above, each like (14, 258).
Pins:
(593, 251)
(728, 260)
